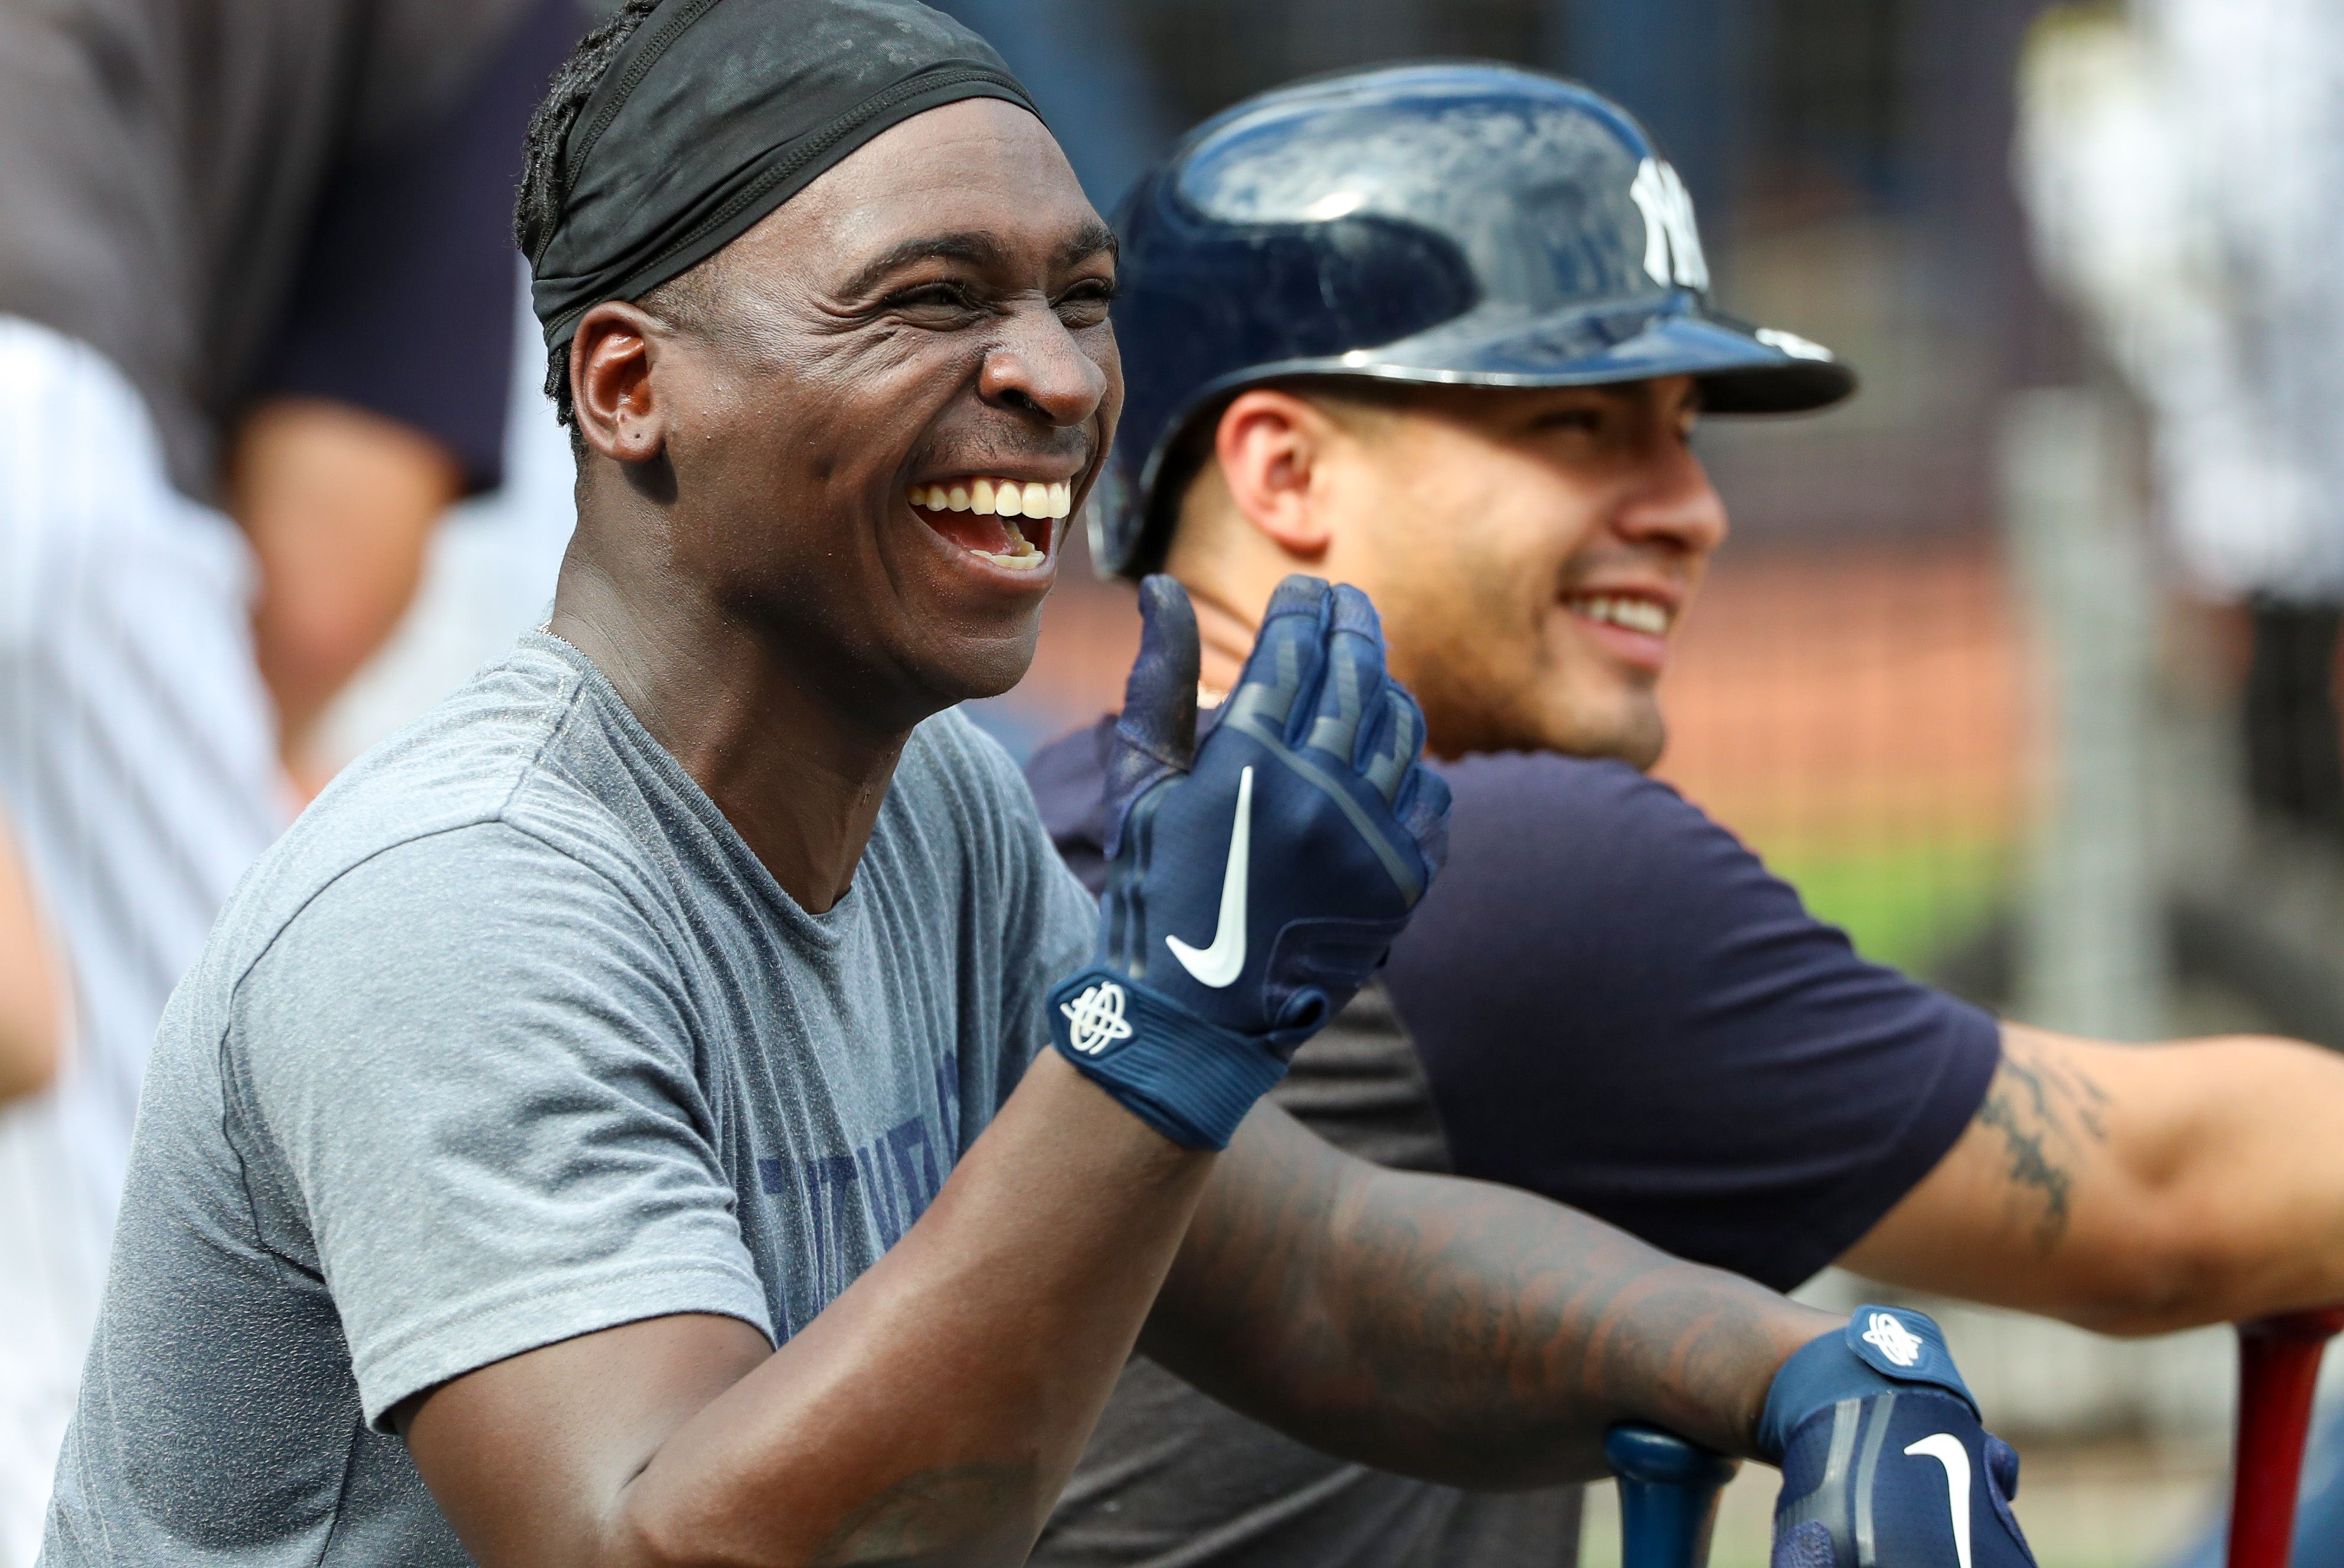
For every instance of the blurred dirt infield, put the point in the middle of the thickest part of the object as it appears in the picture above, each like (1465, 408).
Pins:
(1855, 714)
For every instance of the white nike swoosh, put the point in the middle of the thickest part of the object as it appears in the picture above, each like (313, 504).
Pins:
(1947, 1450)
(1218, 965)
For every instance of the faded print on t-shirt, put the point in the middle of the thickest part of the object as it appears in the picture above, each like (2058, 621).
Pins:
(893, 1178)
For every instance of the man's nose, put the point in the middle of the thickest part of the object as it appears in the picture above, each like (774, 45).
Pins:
(1673, 504)
(1039, 370)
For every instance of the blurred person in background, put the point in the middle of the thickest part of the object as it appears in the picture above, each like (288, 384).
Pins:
(1444, 333)
(31, 1026)
(219, 222)
(31, 1040)
(2178, 162)
(2178, 165)
(383, 397)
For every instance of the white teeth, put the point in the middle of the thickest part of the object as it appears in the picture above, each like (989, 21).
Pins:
(1633, 614)
(998, 497)
(1004, 499)
(990, 497)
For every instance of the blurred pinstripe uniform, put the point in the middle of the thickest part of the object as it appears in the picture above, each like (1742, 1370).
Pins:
(161, 169)
(136, 763)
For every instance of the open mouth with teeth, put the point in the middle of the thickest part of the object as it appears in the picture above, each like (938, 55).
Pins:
(1009, 522)
(1644, 615)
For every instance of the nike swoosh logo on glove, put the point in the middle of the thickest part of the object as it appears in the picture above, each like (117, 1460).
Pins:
(1220, 964)
(1947, 1450)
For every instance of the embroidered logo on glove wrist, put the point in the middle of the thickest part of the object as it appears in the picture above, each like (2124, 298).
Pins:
(1889, 1336)
(1095, 1019)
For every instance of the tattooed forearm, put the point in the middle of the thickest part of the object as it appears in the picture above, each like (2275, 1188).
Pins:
(2044, 1113)
(1451, 1328)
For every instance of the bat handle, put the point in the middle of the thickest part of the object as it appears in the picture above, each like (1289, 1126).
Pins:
(2278, 1363)
(1668, 1496)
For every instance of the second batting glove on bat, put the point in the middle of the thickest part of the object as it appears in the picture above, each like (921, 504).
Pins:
(1883, 1456)
(1255, 881)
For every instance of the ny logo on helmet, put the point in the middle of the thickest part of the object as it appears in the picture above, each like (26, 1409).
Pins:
(1672, 243)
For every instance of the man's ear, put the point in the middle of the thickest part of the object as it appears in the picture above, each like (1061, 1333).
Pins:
(1270, 445)
(611, 383)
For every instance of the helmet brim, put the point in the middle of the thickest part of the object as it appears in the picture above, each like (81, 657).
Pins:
(1743, 369)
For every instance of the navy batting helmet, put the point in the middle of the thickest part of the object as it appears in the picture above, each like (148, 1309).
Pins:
(1461, 224)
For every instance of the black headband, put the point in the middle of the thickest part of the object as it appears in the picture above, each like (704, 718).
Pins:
(717, 111)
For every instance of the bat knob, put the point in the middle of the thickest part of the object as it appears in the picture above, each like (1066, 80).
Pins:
(1668, 1495)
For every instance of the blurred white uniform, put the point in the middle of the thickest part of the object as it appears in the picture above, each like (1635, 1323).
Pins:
(137, 765)
(2182, 175)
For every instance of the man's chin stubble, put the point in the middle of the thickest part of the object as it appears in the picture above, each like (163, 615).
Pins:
(1629, 728)
(1640, 744)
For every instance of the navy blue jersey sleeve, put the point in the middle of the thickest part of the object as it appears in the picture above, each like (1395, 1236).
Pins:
(405, 305)
(1618, 1006)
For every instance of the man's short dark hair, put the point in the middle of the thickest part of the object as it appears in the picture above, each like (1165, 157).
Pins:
(538, 210)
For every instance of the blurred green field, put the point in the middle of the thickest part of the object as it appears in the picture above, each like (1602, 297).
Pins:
(1905, 904)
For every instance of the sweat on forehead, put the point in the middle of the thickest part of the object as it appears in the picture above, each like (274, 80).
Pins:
(716, 112)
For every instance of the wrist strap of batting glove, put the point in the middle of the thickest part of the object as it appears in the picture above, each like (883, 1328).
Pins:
(1191, 1081)
(1882, 1349)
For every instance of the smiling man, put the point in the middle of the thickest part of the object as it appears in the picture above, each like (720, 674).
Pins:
(620, 1122)
(1444, 331)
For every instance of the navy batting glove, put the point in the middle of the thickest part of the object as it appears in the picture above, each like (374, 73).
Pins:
(1255, 881)
(1884, 1459)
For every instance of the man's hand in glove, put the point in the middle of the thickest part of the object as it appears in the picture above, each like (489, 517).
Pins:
(1255, 881)
(1884, 1464)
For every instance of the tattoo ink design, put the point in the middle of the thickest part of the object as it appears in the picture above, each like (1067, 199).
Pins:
(2044, 1113)
(1452, 1330)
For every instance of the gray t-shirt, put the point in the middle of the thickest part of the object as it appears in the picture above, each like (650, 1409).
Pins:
(508, 1039)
